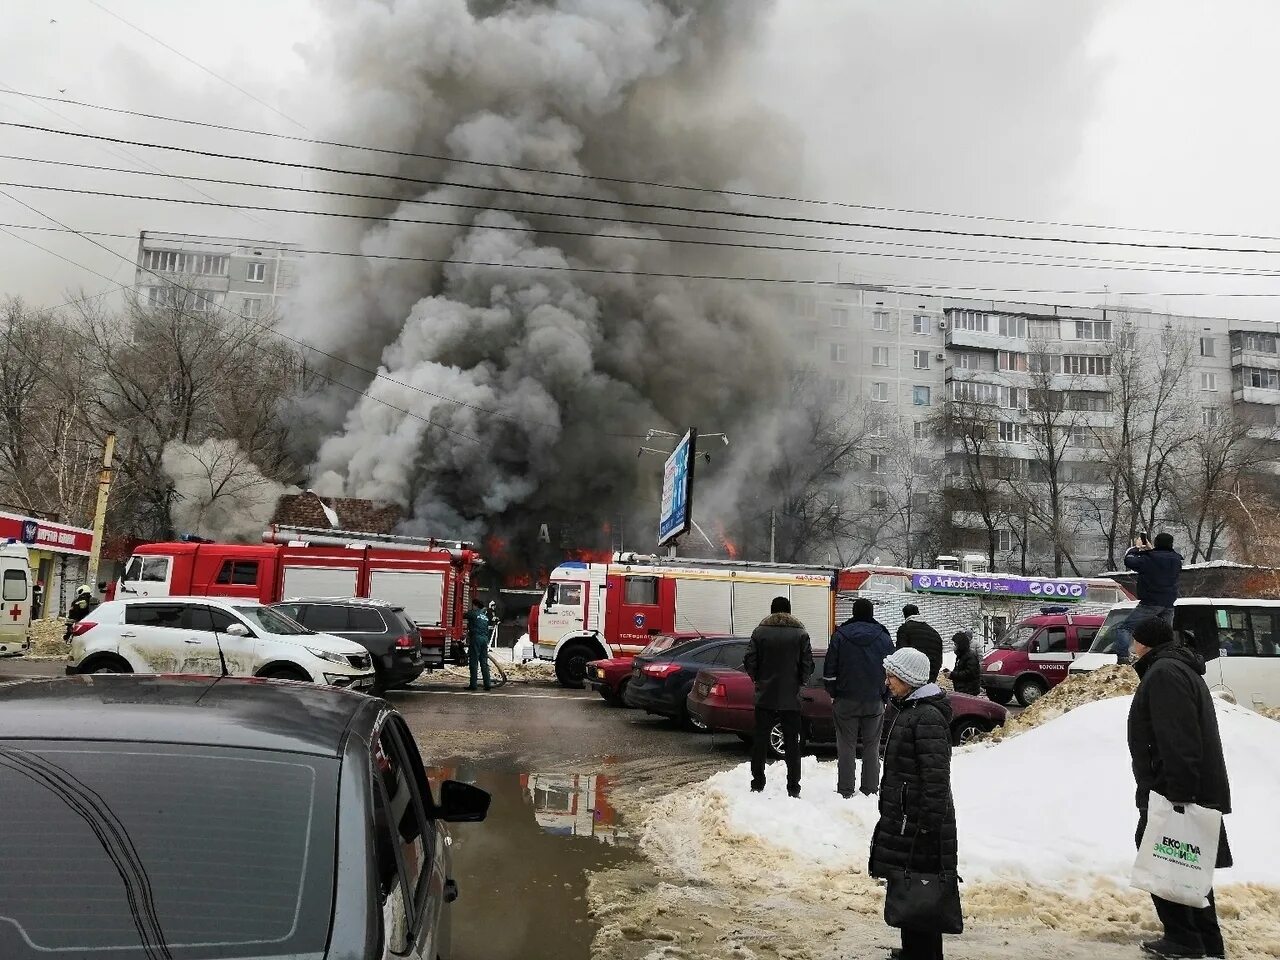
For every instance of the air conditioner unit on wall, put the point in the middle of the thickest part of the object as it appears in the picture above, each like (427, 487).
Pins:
(942, 324)
(940, 356)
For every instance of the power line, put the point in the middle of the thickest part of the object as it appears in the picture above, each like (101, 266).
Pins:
(1076, 262)
(677, 208)
(262, 327)
(196, 63)
(664, 185)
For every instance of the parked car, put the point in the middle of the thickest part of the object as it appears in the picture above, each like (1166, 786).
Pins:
(384, 630)
(724, 701)
(217, 817)
(610, 678)
(1036, 653)
(212, 636)
(660, 682)
(1238, 638)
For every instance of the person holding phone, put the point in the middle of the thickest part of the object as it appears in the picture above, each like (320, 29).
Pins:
(1159, 568)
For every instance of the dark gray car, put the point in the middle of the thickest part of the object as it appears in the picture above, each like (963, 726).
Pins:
(384, 630)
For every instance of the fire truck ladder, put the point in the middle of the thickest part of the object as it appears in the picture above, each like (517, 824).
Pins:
(325, 536)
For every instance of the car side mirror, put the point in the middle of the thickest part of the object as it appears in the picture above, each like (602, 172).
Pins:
(462, 803)
(237, 630)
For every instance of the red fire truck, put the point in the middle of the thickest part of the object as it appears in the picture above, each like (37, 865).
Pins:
(592, 611)
(432, 580)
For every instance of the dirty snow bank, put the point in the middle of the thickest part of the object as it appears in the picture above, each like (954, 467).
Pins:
(1054, 806)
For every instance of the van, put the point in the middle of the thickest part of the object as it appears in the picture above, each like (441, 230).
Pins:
(1036, 653)
(15, 591)
(1237, 638)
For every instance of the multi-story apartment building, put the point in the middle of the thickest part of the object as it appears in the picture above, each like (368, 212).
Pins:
(247, 278)
(920, 358)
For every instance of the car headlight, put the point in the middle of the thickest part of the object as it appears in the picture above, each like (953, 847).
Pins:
(331, 657)
(995, 666)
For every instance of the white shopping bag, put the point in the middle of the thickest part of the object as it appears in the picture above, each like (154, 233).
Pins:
(1178, 851)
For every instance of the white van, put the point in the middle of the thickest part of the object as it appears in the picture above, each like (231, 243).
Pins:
(15, 591)
(1238, 638)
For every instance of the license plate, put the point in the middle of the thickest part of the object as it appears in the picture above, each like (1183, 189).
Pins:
(704, 689)
(364, 683)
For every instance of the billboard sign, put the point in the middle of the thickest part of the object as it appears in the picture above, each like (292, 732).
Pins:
(677, 490)
(1038, 588)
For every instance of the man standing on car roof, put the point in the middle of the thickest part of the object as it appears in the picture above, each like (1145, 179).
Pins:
(479, 628)
(780, 660)
(1177, 752)
(1159, 568)
(853, 673)
(914, 632)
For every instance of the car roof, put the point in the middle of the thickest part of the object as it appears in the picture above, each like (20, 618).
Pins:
(1208, 601)
(240, 712)
(348, 601)
(1042, 619)
(221, 601)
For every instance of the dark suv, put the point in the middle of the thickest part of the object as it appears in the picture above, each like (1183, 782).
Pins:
(384, 630)
(201, 818)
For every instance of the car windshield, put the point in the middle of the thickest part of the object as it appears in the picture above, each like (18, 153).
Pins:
(273, 621)
(1104, 642)
(1019, 638)
(661, 644)
(139, 851)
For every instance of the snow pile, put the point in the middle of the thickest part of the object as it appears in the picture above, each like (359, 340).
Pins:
(1052, 807)
(1101, 684)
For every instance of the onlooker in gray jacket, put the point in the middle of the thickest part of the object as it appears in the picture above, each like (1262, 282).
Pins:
(854, 676)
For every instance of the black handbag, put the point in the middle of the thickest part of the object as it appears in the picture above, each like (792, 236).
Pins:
(923, 901)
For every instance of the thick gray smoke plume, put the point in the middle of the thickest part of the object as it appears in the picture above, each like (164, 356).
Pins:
(218, 491)
(551, 375)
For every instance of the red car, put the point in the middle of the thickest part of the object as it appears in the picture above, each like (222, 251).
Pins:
(609, 678)
(724, 700)
(1036, 654)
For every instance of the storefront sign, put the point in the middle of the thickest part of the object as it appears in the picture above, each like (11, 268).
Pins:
(42, 535)
(987, 585)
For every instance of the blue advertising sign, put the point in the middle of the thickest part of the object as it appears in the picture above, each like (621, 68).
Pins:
(677, 490)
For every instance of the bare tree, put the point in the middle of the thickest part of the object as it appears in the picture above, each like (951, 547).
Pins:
(979, 474)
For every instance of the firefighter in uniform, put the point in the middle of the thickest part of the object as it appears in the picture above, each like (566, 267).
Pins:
(479, 628)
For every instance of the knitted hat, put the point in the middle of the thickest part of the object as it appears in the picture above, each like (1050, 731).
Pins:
(1153, 632)
(909, 665)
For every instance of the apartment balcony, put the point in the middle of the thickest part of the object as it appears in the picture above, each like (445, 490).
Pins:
(1256, 359)
(970, 375)
(976, 340)
(1261, 395)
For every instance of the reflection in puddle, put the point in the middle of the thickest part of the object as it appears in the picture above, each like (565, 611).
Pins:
(573, 805)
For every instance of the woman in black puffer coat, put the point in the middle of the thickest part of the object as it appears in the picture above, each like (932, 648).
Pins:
(917, 827)
(966, 676)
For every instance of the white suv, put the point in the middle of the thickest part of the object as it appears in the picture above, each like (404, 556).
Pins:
(199, 634)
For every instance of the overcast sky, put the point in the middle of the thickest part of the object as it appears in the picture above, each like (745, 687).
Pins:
(1142, 113)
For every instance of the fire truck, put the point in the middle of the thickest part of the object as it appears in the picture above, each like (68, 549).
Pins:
(596, 610)
(432, 580)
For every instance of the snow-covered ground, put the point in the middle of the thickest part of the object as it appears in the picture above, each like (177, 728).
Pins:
(1053, 806)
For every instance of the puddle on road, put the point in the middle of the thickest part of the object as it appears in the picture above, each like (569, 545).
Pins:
(522, 875)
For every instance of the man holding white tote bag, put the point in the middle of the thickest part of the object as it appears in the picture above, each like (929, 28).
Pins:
(1177, 757)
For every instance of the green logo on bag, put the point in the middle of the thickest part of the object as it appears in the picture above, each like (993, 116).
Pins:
(1178, 850)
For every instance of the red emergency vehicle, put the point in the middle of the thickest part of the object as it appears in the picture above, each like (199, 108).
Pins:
(432, 580)
(593, 611)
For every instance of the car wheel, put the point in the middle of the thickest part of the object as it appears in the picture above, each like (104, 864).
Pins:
(285, 673)
(620, 699)
(110, 665)
(695, 723)
(1001, 697)
(966, 730)
(777, 743)
(1029, 689)
(571, 664)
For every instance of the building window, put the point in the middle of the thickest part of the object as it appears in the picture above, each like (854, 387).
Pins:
(839, 353)
(1084, 438)
(1210, 416)
(1209, 382)
(1207, 347)
(880, 320)
(251, 309)
(197, 264)
(1262, 379)
(1013, 327)
(1013, 398)
(1044, 363)
(879, 463)
(1254, 342)
(920, 359)
(880, 392)
(920, 396)
(839, 316)
(1011, 432)
(879, 498)
(1089, 402)
(1093, 329)
(1004, 540)
(204, 301)
(920, 430)
(971, 320)
(879, 356)
(1083, 366)
(1009, 361)
(839, 388)
(256, 272)
(920, 324)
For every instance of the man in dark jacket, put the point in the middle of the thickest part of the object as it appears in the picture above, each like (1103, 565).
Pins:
(1158, 568)
(914, 632)
(780, 660)
(966, 675)
(853, 673)
(1177, 753)
(917, 826)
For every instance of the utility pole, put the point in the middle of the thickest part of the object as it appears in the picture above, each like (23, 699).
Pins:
(773, 535)
(100, 513)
